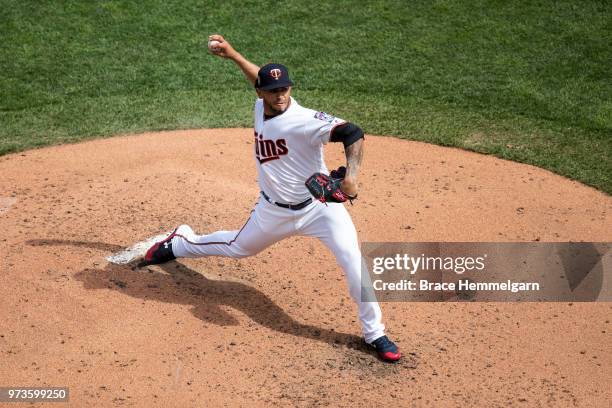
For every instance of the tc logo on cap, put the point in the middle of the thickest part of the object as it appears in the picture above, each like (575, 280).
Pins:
(276, 73)
(272, 76)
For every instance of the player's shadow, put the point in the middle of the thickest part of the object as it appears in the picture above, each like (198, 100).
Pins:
(176, 283)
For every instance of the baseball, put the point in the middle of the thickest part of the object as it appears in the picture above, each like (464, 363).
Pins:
(213, 45)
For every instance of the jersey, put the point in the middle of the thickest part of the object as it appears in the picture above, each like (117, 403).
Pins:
(289, 149)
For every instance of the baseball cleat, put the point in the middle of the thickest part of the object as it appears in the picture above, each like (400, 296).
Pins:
(386, 349)
(160, 252)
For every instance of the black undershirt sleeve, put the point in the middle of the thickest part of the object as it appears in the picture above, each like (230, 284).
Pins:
(347, 133)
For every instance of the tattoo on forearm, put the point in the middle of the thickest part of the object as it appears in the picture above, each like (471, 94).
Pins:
(354, 154)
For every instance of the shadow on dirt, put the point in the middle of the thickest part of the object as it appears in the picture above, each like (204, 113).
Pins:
(174, 282)
(82, 244)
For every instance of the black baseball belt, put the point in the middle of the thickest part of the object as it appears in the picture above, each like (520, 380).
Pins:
(293, 207)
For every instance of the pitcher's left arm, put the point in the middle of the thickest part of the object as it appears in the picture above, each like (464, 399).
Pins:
(352, 137)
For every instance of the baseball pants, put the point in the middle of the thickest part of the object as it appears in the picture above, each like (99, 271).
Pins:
(268, 224)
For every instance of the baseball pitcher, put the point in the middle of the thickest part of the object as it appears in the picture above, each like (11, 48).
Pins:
(298, 195)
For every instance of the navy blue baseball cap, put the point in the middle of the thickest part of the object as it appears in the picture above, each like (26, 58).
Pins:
(272, 76)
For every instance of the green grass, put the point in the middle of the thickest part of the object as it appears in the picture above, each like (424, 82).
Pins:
(525, 80)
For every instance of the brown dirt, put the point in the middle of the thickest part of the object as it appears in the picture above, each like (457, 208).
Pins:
(272, 329)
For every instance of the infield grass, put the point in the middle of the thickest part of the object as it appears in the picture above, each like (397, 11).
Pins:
(525, 80)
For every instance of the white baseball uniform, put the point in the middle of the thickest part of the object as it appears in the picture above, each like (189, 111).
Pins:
(288, 149)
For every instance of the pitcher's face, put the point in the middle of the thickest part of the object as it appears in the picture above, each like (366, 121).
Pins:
(276, 101)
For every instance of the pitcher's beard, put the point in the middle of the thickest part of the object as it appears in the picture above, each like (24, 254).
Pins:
(276, 111)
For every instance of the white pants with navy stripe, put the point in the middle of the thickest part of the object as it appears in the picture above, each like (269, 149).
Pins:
(269, 223)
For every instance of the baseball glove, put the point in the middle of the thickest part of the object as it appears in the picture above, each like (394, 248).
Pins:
(339, 173)
(327, 188)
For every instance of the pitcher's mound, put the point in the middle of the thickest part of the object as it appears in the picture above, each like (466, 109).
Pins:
(279, 328)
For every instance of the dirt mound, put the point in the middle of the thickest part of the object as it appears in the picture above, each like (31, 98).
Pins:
(271, 329)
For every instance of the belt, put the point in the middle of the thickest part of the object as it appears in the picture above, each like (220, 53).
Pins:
(294, 207)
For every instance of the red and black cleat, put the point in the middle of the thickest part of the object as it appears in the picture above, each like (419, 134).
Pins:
(386, 349)
(160, 252)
